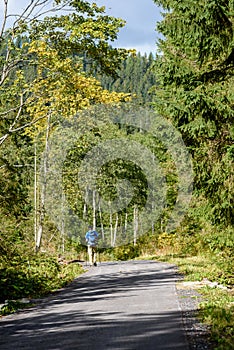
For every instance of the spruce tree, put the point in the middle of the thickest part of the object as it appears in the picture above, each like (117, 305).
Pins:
(196, 73)
(135, 76)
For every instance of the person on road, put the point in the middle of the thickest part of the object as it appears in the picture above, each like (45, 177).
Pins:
(92, 240)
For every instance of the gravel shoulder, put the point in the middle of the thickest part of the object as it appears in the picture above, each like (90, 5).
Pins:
(197, 333)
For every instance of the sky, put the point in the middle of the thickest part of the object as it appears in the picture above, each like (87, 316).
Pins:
(141, 17)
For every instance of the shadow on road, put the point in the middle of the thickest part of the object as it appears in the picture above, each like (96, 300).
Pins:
(102, 310)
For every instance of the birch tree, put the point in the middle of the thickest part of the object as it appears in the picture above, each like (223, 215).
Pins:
(41, 76)
(45, 37)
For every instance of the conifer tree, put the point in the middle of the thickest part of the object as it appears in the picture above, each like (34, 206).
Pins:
(196, 74)
(135, 76)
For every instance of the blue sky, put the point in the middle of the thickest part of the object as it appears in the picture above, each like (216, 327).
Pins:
(141, 17)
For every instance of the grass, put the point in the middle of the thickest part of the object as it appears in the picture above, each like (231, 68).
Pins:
(217, 308)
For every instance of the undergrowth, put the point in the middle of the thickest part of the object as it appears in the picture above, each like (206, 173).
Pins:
(34, 277)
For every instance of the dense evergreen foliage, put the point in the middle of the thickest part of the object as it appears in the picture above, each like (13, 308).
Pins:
(135, 76)
(196, 74)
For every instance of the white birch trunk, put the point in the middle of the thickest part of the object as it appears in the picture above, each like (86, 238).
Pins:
(111, 227)
(126, 223)
(115, 230)
(94, 210)
(35, 195)
(43, 189)
(62, 225)
(101, 223)
(135, 224)
(85, 204)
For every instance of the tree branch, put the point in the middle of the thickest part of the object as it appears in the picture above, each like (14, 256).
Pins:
(4, 18)
(25, 15)
(10, 131)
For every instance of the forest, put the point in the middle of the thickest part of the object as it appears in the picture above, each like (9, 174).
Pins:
(141, 147)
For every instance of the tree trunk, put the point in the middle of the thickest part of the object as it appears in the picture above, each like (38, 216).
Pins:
(85, 204)
(101, 223)
(115, 230)
(94, 210)
(125, 224)
(35, 195)
(43, 189)
(62, 225)
(111, 227)
(135, 224)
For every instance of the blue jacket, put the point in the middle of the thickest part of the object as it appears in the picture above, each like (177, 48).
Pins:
(91, 238)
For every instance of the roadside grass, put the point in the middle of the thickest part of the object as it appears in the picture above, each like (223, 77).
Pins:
(217, 308)
(217, 311)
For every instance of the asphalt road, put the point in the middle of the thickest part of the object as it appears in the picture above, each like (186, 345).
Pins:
(129, 305)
